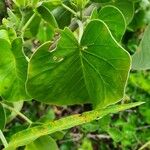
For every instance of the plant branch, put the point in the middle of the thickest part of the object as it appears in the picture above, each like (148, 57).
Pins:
(69, 9)
(80, 24)
(17, 112)
(145, 146)
(2, 137)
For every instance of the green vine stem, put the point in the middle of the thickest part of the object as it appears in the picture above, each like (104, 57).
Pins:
(17, 112)
(2, 137)
(69, 9)
(80, 24)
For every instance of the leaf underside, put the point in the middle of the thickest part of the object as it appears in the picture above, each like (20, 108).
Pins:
(142, 56)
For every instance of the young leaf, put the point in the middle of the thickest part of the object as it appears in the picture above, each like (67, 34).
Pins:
(4, 35)
(20, 3)
(115, 134)
(13, 19)
(63, 16)
(140, 81)
(94, 71)
(142, 56)
(114, 19)
(43, 143)
(35, 25)
(27, 136)
(47, 16)
(86, 144)
(2, 117)
(13, 71)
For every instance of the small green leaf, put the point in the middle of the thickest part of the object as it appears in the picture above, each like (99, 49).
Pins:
(20, 3)
(104, 123)
(115, 134)
(140, 81)
(86, 144)
(52, 4)
(45, 33)
(35, 25)
(126, 7)
(34, 2)
(13, 71)
(114, 19)
(142, 56)
(2, 117)
(43, 143)
(22, 138)
(47, 16)
(90, 71)
(4, 35)
(13, 18)
(63, 16)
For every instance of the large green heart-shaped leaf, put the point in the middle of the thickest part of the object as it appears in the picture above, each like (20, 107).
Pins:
(94, 71)
(13, 71)
(141, 59)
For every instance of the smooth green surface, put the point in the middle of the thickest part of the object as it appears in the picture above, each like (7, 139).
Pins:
(63, 16)
(101, 1)
(27, 136)
(2, 117)
(126, 7)
(52, 4)
(20, 3)
(4, 35)
(43, 143)
(94, 71)
(141, 59)
(114, 19)
(13, 71)
(47, 16)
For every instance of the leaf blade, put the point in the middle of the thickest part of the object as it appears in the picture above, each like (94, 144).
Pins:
(140, 60)
(13, 70)
(106, 64)
(28, 135)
